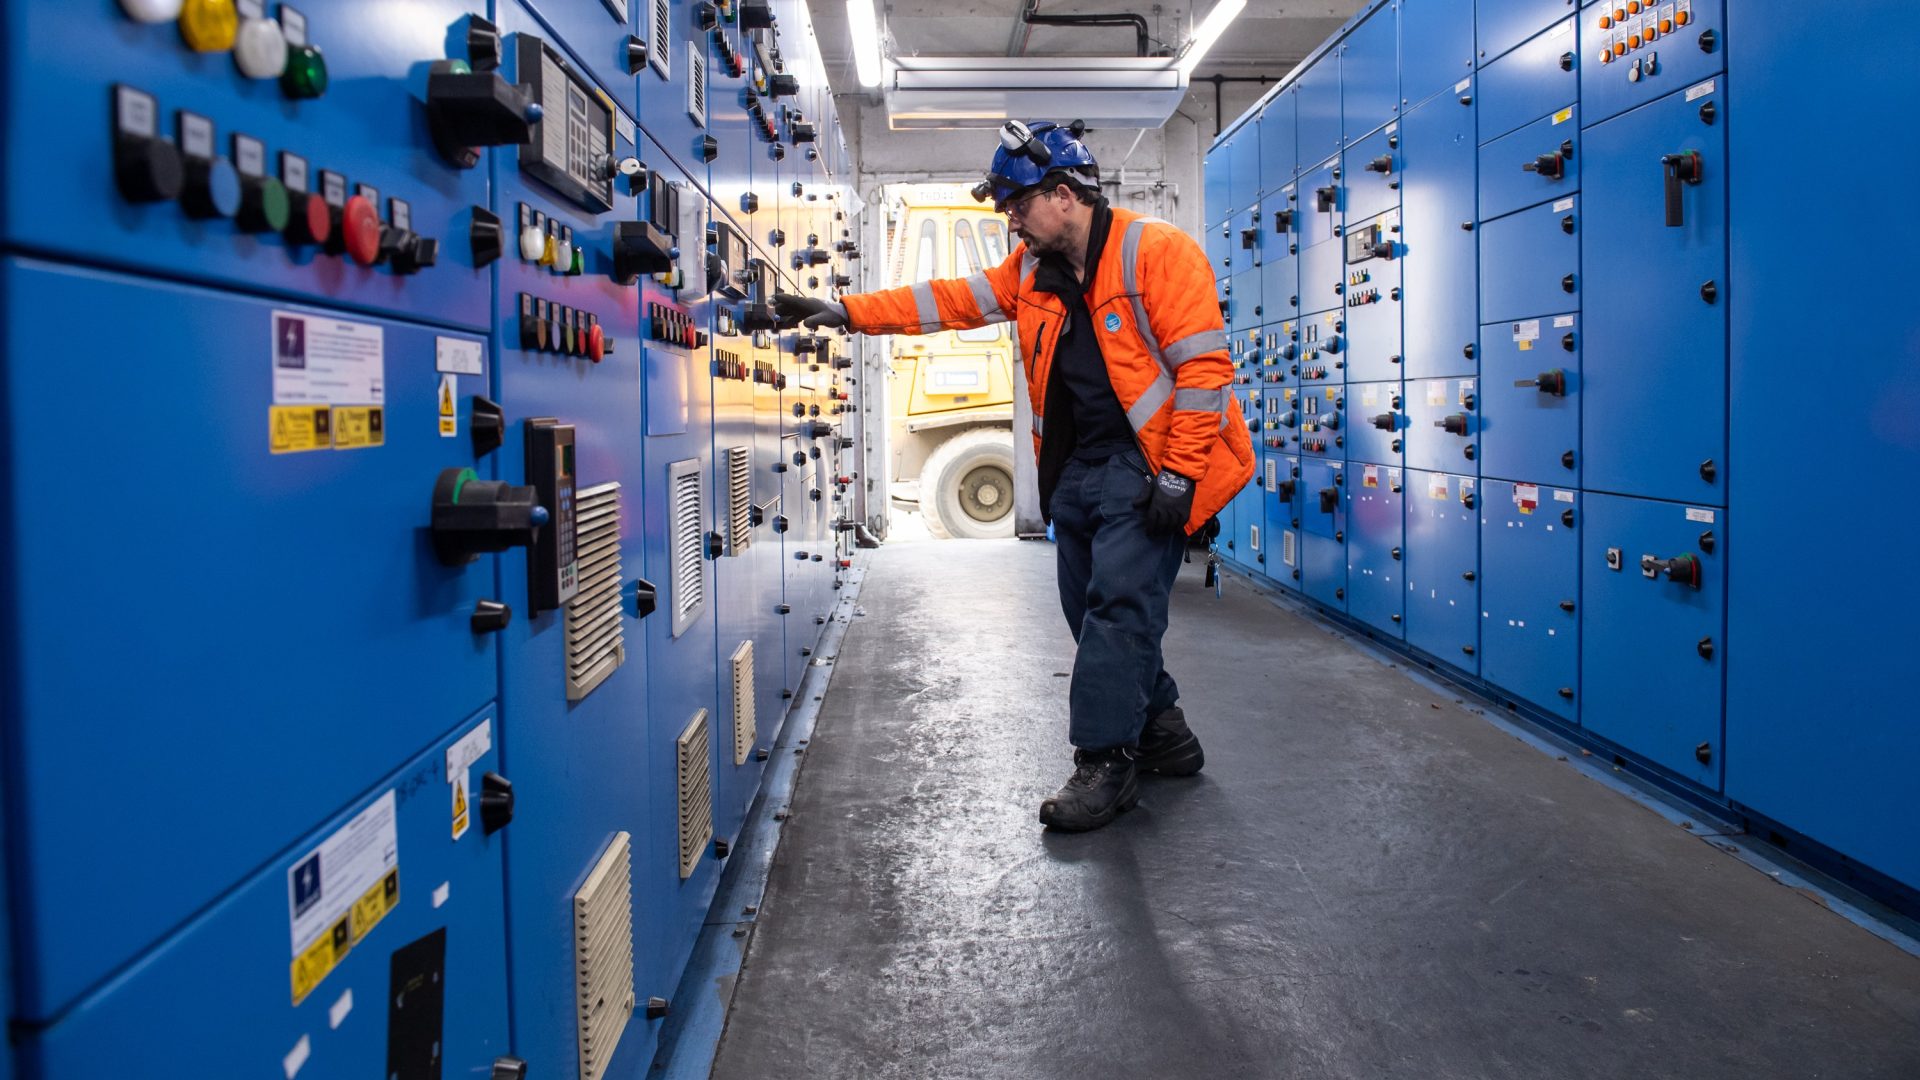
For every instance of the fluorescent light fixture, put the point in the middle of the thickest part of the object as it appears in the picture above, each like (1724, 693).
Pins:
(865, 27)
(1203, 38)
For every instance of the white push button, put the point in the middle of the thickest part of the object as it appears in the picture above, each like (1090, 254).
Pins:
(152, 11)
(260, 51)
(533, 243)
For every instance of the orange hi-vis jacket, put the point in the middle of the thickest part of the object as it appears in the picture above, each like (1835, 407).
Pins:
(1160, 333)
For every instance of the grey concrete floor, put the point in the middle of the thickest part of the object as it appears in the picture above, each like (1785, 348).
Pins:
(1369, 880)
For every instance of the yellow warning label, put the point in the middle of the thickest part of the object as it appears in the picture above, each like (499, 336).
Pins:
(292, 429)
(370, 909)
(355, 426)
(449, 422)
(459, 810)
(1526, 344)
(1563, 116)
(446, 396)
(319, 960)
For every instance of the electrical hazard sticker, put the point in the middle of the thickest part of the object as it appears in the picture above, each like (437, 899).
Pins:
(460, 758)
(292, 429)
(355, 426)
(449, 418)
(1370, 476)
(341, 890)
(1436, 486)
(1526, 497)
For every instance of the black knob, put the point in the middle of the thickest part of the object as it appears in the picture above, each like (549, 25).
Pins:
(485, 237)
(640, 247)
(750, 203)
(646, 598)
(146, 168)
(657, 1008)
(467, 109)
(1381, 164)
(1329, 499)
(1385, 422)
(489, 616)
(507, 1068)
(1547, 382)
(709, 148)
(408, 252)
(1467, 350)
(783, 85)
(1567, 459)
(1456, 424)
(1552, 166)
(636, 55)
(487, 427)
(1566, 61)
(803, 132)
(472, 517)
(496, 802)
(1566, 283)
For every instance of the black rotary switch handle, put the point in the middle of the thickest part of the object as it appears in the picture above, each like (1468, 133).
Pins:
(468, 108)
(1455, 424)
(1547, 382)
(472, 517)
(1552, 166)
(1684, 167)
(1681, 569)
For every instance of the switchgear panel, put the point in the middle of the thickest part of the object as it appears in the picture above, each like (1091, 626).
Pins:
(1442, 567)
(1280, 477)
(1376, 592)
(1530, 593)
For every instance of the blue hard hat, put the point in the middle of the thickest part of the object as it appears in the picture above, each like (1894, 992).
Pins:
(1029, 154)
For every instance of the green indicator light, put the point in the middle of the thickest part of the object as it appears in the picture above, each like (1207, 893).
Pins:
(459, 67)
(275, 204)
(579, 262)
(306, 74)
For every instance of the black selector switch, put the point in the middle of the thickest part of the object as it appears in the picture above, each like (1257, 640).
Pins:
(146, 167)
(209, 186)
(640, 247)
(783, 85)
(468, 109)
(496, 804)
(1547, 382)
(1455, 424)
(472, 517)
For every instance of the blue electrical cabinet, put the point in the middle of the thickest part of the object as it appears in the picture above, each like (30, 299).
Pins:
(1440, 57)
(1245, 228)
(1219, 245)
(1530, 399)
(1371, 170)
(1370, 73)
(1321, 498)
(1217, 203)
(1538, 163)
(1442, 424)
(1502, 24)
(1323, 421)
(1656, 347)
(1537, 79)
(574, 672)
(1323, 348)
(1443, 568)
(371, 946)
(1279, 154)
(1440, 267)
(1371, 289)
(1318, 132)
(1320, 207)
(1379, 422)
(1243, 161)
(1376, 593)
(1279, 268)
(1653, 651)
(1284, 410)
(1280, 474)
(267, 381)
(1249, 510)
(1322, 275)
(1530, 262)
(1530, 593)
(1818, 737)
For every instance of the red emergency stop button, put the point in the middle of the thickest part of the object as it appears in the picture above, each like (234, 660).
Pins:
(361, 223)
(596, 343)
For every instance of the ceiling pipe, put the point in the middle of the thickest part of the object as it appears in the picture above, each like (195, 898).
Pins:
(1139, 24)
(1218, 81)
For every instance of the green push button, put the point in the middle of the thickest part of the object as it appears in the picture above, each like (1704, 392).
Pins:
(306, 74)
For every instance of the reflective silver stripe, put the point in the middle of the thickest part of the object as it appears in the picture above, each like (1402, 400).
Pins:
(1194, 400)
(1130, 278)
(1193, 345)
(1037, 425)
(1028, 264)
(1150, 402)
(984, 299)
(929, 308)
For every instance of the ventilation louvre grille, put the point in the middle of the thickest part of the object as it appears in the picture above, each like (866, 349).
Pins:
(660, 39)
(1253, 537)
(745, 733)
(596, 643)
(739, 499)
(696, 84)
(1273, 470)
(687, 510)
(696, 793)
(1287, 548)
(603, 956)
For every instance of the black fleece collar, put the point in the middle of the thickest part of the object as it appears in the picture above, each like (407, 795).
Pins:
(1055, 274)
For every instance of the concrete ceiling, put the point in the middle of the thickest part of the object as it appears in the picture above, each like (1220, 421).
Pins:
(1268, 38)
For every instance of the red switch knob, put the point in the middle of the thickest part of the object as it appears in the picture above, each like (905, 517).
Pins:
(362, 224)
(596, 343)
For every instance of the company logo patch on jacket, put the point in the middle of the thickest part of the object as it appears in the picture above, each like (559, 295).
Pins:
(1113, 323)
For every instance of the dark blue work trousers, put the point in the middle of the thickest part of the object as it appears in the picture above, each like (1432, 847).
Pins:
(1114, 581)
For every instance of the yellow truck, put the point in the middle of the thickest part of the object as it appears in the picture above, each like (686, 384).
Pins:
(950, 395)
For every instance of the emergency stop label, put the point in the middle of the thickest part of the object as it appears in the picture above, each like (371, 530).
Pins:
(320, 360)
(340, 890)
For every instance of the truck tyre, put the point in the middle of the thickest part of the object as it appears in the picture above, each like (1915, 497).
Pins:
(966, 486)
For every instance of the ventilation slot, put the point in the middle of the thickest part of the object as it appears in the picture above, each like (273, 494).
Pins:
(739, 499)
(684, 548)
(1286, 547)
(603, 956)
(745, 734)
(660, 39)
(1253, 537)
(1272, 471)
(696, 84)
(596, 645)
(696, 793)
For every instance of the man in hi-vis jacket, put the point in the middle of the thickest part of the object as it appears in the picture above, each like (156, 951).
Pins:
(1137, 436)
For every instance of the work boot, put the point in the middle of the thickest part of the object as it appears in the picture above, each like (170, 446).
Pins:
(1169, 747)
(1103, 786)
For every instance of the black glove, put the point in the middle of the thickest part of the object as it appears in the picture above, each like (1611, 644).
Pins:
(1169, 503)
(816, 314)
